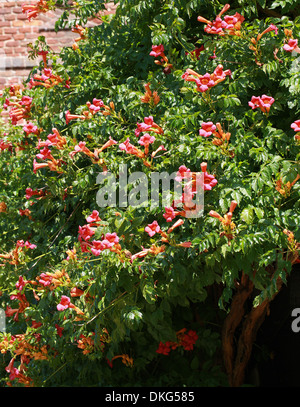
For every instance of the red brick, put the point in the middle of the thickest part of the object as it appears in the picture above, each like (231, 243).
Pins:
(51, 41)
(17, 10)
(35, 23)
(31, 36)
(23, 72)
(19, 50)
(17, 23)
(9, 30)
(6, 10)
(11, 43)
(9, 4)
(10, 17)
(8, 51)
(19, 37)
(6, 73)
(22, 17)
(5, 37)
(25, 30)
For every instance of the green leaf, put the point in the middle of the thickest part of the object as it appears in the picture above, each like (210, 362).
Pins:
(247, 215)
(148, 292)
(132, 317)
(259, 213)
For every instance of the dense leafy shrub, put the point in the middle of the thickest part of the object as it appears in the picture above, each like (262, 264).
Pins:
(104, 296)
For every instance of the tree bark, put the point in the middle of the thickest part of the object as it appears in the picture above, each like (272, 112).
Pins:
(250, 327)
(237, 352)
(231, 323)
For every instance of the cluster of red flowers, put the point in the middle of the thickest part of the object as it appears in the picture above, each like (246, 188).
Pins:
(230, 25)
(25, 212)
(53, 140)
(263, 102)
(159, 51)
(51, 163)
(220, 137)
(65, 303)
(228, 225)
(82, 35)
(30, 193)
(148, 125)
(30, 128)
(108, 241)
(28, 347)
(86, 343)
(150, 97)
(3, 207)
(204, 181)
(5, 145)
(206, 81)
(185, 339)
(23, 304)
(195, 182)
(285, 189)
(98, 104)
(131, 149)
(292, 46)
(20, 108)
(13, 257)
(33, 10)
(93, 107)
(47, 79)
(94, 156)
(51, 280)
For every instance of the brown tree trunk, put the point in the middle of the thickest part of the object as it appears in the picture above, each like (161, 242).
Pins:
(247, 337)
(250, 328)
(236, 358)
(231, 323)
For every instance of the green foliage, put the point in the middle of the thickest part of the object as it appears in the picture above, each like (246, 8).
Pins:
(131, 304)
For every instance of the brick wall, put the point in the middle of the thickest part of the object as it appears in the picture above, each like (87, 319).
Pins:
(16, 32)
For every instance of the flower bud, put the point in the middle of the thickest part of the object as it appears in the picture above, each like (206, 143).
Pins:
(203, 167)
(232, 206)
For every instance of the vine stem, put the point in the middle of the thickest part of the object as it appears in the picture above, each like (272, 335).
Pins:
(59, 232)
(113, 303)
(54, 373)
